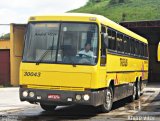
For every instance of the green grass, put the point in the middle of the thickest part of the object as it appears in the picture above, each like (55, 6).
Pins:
(134, 10)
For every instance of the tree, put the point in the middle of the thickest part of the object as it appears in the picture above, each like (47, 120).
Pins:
(121, 1)
(124, 16)
(97, 1)
(118, 1)
(113, 1)
(5, 36)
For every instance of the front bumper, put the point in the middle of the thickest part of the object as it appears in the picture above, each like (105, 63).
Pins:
(41, 96)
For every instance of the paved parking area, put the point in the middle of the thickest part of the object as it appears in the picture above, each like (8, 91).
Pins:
(146, 108)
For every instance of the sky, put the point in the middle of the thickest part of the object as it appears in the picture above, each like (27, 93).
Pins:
(18, 11)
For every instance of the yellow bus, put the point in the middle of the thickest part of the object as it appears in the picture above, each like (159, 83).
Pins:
(158, 53)
(85, 59)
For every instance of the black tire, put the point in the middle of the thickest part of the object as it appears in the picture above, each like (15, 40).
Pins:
(108, 101)
(48, 107)
(133, 96)
(138, 90)
(141, 88)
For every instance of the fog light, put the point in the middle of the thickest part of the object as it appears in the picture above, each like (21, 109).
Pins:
(25, 93)
(69, 99)
(31, 94)
(78, 97)
(86, 97)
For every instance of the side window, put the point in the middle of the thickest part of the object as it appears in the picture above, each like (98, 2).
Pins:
(112, 39)
(126, 45)
(109, 38)
(141, 49)
(132, 46)
(136, 47)
(125, 42)
(104, 42)
(146, 51)
(120, 47)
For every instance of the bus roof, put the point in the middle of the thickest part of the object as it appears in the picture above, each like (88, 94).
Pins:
(84, 17)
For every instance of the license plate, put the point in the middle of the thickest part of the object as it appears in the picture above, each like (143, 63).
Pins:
(54, 96)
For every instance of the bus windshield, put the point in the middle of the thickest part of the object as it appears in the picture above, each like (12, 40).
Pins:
(63, 43)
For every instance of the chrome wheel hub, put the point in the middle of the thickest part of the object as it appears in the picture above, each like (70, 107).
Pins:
(108, 99)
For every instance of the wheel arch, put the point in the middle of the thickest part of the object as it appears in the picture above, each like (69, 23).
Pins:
(111, 84)
(137, 79)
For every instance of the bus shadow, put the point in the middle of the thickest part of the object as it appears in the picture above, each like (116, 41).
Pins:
(80, 112)
(74, 112)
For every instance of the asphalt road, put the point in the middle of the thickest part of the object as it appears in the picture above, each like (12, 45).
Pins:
(146, 108)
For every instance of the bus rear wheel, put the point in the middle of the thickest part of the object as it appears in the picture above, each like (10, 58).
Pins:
(48, 107)
(133, 96)
(138, 90)
(108, 101)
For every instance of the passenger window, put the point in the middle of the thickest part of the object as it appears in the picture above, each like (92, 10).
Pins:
(141, 49)
(132, 46)
(125, 42)
(109, 38)
(120, 47)
(146, 51)
(112, 39)
(136, 47)
(128, 45)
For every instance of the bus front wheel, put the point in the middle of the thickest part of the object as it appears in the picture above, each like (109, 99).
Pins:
(108, 101)
(48, 107)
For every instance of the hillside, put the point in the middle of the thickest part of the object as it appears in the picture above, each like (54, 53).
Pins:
(130, 10)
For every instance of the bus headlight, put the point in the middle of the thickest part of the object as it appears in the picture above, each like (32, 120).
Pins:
(78, 97)
(25, 93)
(86, 97)
(31, 94)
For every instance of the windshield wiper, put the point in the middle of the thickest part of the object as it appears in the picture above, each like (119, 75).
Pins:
(44, 54)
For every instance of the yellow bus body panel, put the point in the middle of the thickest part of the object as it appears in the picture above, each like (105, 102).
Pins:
(57, 75)
(125, 74)
(158, 53)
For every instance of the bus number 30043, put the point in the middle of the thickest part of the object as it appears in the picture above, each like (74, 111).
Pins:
(38, 74)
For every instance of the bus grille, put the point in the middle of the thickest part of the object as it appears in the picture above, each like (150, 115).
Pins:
(56, 88)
